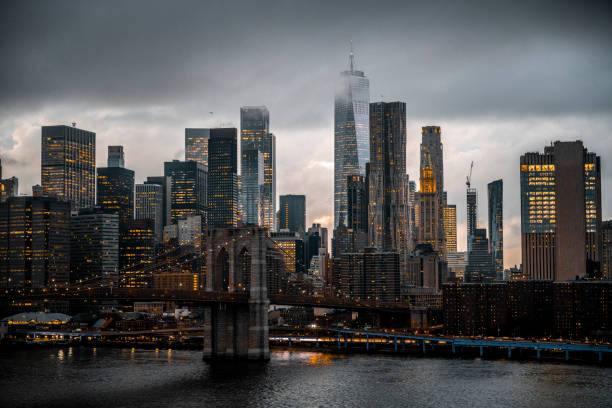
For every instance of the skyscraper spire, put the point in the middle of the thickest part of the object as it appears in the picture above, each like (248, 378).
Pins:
(352, 58)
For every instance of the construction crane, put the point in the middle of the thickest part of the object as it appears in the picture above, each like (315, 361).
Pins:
(468, 179)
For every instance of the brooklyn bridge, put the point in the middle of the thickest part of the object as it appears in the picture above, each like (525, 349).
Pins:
(244, 275)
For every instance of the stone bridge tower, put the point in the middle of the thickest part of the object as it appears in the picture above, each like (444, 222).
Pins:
(236, 263)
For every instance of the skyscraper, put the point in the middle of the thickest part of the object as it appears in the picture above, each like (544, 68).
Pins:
(388, 229)
(472, 214)
(431, 146)
(223, 178)
(480, 266)
(255, 134)
(351, 133)
(196, 145)
(68, 165)
(561, 212)
(188, 192)
(251, 185)
(292, 213)
(606, 259)
(357, 200)
(116, 193)
(34, 242)
(115, 156)
(137, 243)
(450, 227)
(150, 205)
(166, 183)
(495, 192)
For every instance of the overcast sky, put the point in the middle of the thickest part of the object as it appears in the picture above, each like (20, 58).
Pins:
(500, 80)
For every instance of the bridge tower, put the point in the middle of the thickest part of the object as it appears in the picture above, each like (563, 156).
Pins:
(236, 263)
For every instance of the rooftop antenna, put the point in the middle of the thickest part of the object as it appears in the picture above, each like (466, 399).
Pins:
(352, 57)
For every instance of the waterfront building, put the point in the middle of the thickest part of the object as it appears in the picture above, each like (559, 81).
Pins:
(480, 266)
(291, 247)
(150, 205)
(94, 247)
(166, 183)
(188, 191)
(115, 157)
(606, 259)
(561, 212)
(8, 187)
(357, 203)
(34, 242)
(68, 165)
(450, 228)
(196, 145)
(292, 213)
(388, 208)
(495, 195)
(255, 134)
(351, 134)
(223, 178)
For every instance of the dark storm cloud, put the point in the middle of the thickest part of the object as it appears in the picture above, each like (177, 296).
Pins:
(501, 79)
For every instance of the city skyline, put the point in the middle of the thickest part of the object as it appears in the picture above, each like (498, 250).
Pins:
(475, 124)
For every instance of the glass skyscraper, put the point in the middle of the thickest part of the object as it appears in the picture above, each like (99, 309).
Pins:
(188, 192)
(255, 134)
(223, 178)
(196, 145)
(351, 134)
(496, 225)
(292, 213)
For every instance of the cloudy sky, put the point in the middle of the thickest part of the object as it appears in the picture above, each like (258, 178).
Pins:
(500, 80)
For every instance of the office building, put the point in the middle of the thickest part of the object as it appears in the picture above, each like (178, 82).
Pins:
(188, 191)
(223, 178)
(255, 134)
(606, 260)
(450, 228)
(94, 248)
(457, 264)
(388, 209)
(8, 187)
(115, 193)
(561, 212)
(34, 242)
(480, 266)
(472, 214)
(150, 205)
(412, 207)
(251, 183)
(68, 165)
(430, 215)
(357, 203)
(322, 231)
(292, 213)
(196, 145)
(166, 183)
(189, 231)
(495, 195)
(425, 269)
(351, 134)
(115, 157)
(137, 243)
(291, 247)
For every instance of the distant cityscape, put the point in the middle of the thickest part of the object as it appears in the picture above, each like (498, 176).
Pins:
(394, 240)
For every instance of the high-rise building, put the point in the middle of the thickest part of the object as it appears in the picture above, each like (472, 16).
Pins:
(357, 203)
(322, 231)
(115, 156)
(560, 197)
(68, 165)
(292, 213)
(495, 197)
(255, 134)
(223, 178)
(196, 145)
(188, 191)
(388, 212)
(430, 217)
(251, 184)
(150, 205)
(431, 151)
(412, 205)
(137, 243)
(480, 266)
(450, 227)
(34, 242)
(472, 214)
(166, 183)
(8, 187)
(351, 134)
(115, 192)
(292, 250)
(457, 263)
(606, 259)
(94, 248)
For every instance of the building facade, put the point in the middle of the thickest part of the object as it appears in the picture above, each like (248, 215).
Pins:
(68, 165)
(196, 145)
(115, 193)
(223, 178)
(116, 158)
(606, 265)
(255, 134)
(251, 185)
(137, 243)
(495, 198)
(189, 186)
(150, 205)
(450, 228)
(351, 134)
(480, 266)
(357, 203)
(166, 183)
(292, 213)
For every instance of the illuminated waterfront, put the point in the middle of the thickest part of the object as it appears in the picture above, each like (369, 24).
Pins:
(82, 376)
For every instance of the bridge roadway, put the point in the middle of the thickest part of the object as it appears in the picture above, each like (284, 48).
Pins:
(148, 295)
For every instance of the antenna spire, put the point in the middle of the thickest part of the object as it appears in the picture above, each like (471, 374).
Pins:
(352, 58)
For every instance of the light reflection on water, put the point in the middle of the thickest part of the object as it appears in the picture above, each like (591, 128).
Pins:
(170, 378)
